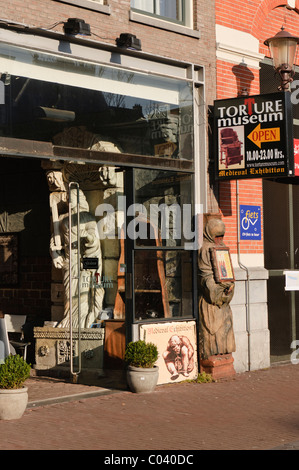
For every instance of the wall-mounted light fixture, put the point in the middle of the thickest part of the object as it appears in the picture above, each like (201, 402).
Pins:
(53, 114)
(76, 26)
(129, 41)
(283, 52)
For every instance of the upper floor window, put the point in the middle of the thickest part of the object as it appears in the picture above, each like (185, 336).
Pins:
(171, 10)
(101, 6)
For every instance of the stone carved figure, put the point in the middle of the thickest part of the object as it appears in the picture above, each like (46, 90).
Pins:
(57, 199)
(92, 176)
(92, 293)
(216, 323)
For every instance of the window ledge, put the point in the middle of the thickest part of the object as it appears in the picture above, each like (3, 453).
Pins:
(157, 23)
(89, 5)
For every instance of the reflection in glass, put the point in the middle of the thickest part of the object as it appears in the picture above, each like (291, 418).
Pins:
(162, 284)
(139, 113)
(165, 199)
(172, 9)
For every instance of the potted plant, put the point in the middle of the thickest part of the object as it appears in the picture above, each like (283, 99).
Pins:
(142, 373)
(13, 394)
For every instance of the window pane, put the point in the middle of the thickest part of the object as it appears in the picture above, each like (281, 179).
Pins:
(144, 5)
(162, 284)
(45, 95)
(163, 202)
(170, 9)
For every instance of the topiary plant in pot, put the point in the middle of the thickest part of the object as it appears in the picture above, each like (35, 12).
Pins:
(13, 394)
(142, 373)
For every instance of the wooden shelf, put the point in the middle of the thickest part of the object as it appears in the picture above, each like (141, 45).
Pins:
(138, 291)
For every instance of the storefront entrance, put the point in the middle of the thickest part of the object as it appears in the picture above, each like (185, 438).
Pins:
(281, 245)
(281, 232)
(114, 241)
(115, 146)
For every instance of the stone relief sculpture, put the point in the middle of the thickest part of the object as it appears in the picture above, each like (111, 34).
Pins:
(92, 293)
(57, 198)
(216, 323)
(90, 177)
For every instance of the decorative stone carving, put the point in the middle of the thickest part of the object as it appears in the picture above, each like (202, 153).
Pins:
(55, 181)
(52, 333)
(44, 350)
(58, 197)
(88, 353)
(88, 176)
(55, 342)
(64, 351)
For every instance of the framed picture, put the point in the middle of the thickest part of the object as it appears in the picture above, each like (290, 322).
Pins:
(9, 259)
(222, 264)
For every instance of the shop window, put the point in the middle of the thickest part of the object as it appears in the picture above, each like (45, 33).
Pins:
(164, 199)
(135, 113)
(162, 266)
(158, 234)
(162, 284)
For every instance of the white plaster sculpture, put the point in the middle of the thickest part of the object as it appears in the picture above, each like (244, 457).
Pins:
(92, 293)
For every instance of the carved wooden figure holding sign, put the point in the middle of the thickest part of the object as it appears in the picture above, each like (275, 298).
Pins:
(216, 289)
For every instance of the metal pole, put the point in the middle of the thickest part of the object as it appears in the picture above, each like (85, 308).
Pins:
(292, 261)
(247, 278)
(73, 373)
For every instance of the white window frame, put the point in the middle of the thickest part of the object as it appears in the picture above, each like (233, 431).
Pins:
(149, 19)
(95, 5)
(185, 7)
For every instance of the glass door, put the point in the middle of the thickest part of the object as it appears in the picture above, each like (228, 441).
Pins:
(123, 242)
(160, 253)
(87, 252)
(281, 234)
(281, 244)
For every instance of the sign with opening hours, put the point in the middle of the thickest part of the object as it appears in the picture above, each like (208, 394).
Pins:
(253, 137)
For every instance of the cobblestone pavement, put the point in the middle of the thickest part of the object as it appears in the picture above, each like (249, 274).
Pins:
(256, 410)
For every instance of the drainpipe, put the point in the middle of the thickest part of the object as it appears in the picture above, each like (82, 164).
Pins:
(247, 277)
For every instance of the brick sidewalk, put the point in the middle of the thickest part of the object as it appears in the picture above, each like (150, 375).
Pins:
(253, 411)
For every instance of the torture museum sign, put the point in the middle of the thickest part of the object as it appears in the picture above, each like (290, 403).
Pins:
(253, 137)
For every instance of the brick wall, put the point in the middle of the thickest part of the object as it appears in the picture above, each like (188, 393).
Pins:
(231, 78)
(106, 28)
(32, 296)
(261, 19)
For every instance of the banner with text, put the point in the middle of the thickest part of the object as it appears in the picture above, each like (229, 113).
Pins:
(253, 136)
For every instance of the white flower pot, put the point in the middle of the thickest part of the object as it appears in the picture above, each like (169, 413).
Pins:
(13, 402)
(142, 380)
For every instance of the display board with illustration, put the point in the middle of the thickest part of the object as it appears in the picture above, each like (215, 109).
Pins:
(176, 343)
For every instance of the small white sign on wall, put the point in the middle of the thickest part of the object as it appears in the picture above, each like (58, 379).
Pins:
(291, 280)
(292, 3)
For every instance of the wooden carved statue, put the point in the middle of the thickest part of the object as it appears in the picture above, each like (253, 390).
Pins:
(215, 315)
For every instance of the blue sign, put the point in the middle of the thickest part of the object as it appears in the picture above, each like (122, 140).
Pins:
(250, 223)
